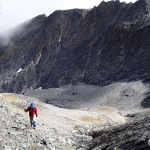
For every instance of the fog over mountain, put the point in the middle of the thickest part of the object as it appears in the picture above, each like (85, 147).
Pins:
(7, 36)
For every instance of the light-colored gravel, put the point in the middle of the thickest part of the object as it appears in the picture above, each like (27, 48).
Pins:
(67, 115)
(58, 128)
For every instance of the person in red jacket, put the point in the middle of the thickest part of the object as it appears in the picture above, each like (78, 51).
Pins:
(32, 113)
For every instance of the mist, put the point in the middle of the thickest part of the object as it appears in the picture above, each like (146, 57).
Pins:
(6, 37)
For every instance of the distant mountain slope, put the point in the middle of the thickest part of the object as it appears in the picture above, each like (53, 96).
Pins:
(103, 45)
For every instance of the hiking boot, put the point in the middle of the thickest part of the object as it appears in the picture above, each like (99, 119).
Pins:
(34, 126)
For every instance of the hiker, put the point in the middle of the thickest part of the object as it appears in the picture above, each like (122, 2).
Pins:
(32, 112)
(1, 102)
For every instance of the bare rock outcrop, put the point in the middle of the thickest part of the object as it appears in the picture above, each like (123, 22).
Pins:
(103, 45)
(134, 135)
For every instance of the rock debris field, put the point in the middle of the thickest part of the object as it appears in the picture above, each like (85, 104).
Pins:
(63, 126)
(57, 128)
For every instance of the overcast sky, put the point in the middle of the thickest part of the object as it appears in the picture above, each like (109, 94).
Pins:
(14, 12)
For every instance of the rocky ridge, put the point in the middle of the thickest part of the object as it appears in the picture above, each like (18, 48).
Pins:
(104, 45)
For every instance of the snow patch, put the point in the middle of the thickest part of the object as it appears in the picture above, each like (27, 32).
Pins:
(60, 38)
(19, 70)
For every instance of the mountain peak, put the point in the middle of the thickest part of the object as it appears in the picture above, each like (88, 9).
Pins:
(143, 4)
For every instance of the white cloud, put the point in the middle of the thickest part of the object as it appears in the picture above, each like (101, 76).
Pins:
(14, 12)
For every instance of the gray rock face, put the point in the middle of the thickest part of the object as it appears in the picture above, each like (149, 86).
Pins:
(134, 135)
(100, 46)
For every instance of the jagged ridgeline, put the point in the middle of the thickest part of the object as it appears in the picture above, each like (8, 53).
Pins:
(106, 44)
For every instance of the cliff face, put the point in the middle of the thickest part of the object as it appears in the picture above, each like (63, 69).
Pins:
(106, 44)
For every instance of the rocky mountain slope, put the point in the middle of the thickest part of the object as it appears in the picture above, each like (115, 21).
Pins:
(134, 135)
(57, 128)
(71, 129)
(126, 97)
(106, 44)
(130, 98)
(88, 71)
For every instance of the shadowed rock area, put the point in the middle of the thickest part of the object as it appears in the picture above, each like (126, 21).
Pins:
(124, 96)
(133, 136)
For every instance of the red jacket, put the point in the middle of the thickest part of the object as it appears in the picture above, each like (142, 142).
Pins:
(32, 111)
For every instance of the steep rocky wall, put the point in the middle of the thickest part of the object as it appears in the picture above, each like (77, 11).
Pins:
(106, 44)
